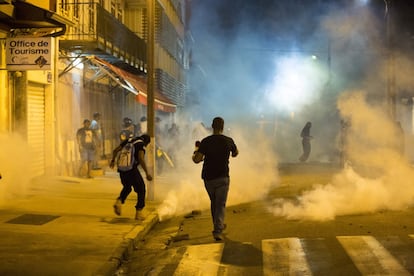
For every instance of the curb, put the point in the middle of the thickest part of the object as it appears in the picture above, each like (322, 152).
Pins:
(127, 246)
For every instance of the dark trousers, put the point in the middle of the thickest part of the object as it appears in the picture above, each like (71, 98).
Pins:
(133, 179)
(306, 145)
(217, 190)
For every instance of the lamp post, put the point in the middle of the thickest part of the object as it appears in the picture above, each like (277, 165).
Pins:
(150, 95)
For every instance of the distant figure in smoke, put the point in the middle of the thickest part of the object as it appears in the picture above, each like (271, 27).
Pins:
(128, 129)
(343, 143)
(97, 129)
(215, 151)
(400, 138)
(306, 145)
(86, 139)
(173, 140)
(143, 125)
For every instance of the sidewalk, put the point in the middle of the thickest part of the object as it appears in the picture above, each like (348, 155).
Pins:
(66, 226)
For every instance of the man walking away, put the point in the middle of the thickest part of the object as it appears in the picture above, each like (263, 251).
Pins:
(131, 176)
(215, 151)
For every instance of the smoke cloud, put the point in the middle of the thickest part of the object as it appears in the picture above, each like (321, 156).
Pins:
(252, 175)
(267, 74)
(376, 176)
(14, 168)
(377, 172)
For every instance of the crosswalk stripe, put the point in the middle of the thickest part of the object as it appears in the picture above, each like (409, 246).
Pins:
(370, 257)
(284, 257)
(201, 260)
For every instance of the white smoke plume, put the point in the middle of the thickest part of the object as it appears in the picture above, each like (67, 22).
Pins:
(14, 168)
(376, 177)
(252, 175)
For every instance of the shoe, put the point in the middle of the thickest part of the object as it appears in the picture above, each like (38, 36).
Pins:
(117, 207)
(218, 237)
(139, 215)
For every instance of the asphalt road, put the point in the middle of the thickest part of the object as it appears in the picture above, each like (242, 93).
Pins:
(334, 247)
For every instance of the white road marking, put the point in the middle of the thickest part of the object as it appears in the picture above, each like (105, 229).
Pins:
(370, 257)
(284, 257)
(202, 260)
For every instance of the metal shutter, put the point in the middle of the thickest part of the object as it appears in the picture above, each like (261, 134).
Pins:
(36, 127)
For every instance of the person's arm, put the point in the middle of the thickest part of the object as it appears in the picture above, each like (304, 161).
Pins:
(141, 158)
(197, 156)
(234, 149)
(79, 140)
(115, 153)
(234, 152)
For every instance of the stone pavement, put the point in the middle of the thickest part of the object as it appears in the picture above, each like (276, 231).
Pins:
(66, 226)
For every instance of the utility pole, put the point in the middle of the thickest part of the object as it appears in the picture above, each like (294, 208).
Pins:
(150, 96)
(391, 90)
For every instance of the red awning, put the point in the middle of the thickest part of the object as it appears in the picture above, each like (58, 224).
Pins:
(140, 84)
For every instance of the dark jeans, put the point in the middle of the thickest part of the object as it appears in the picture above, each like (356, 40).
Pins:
(217, 190)
(306, 145)
(133, 179)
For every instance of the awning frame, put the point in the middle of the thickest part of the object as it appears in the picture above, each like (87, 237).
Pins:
(133, 86)
(119, 80)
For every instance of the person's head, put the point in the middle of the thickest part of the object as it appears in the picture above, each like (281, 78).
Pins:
(218, 124)
(97, 115)
(86, 123)
(146, 138)
(127, 122)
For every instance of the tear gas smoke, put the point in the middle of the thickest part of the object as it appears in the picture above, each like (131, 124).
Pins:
(14, 168)
(252, 174)
(376, 177)
(239, 61)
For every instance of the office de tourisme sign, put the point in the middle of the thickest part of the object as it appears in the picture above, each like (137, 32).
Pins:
(28, 53)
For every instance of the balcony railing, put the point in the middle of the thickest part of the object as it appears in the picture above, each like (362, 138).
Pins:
(96, 31)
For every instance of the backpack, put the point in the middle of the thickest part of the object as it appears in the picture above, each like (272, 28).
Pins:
(126, 156)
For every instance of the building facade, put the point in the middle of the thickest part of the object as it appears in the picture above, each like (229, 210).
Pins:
(98, 52)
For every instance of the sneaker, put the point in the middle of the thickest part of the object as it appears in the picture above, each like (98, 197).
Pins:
(117, 207)
(139, 215)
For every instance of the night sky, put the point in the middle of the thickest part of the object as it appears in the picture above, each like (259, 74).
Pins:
(254, 30)
(239, 45)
